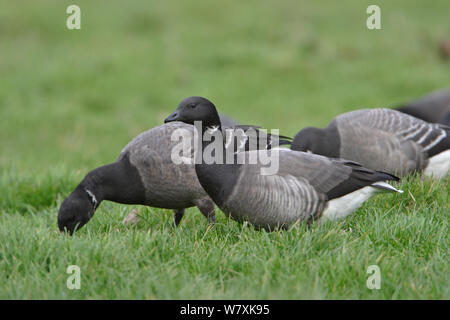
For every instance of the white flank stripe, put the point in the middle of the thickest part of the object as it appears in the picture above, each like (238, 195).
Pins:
(439, 165)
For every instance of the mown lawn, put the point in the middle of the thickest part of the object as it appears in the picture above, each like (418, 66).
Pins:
(70, 100)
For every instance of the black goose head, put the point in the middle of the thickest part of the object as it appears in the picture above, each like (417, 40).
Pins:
(307, 139)
(195, 109)
(76, 210)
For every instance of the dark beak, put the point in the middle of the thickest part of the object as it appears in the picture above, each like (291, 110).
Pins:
(173, 117)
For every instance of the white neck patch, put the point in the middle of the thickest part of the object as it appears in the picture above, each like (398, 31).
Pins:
(211, 130)
(93, 198)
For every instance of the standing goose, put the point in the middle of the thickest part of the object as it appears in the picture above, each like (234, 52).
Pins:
(143, 174)
(306, 187)
(381, 139)
(434, 107)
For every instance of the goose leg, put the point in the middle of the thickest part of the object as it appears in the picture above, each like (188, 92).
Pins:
(207, 208)
(178, 215)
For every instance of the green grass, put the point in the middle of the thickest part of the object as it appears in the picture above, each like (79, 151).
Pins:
(70, 100)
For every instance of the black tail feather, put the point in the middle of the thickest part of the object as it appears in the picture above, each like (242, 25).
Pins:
(360, 177)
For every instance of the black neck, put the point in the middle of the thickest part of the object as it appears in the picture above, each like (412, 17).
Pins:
(119, 182)
(217, 179)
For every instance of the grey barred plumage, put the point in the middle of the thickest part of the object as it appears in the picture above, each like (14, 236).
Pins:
(145, 174)
(380, 139)
(300, 191)
(407, 127)
(388, 140)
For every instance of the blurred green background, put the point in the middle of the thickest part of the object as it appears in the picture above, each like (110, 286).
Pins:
(74, 98)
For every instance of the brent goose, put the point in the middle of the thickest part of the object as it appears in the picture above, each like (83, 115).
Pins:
(434, 107)
(145, 174)
(306, 187)
(381, 139)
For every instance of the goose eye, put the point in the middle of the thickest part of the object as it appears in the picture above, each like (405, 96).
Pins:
(192, 106)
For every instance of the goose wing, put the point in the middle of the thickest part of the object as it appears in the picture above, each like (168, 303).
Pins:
(299, 190)
(249, 137)
(389, 140)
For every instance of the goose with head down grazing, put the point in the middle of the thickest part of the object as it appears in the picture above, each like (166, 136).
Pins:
(382, 139)
(305, 187)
